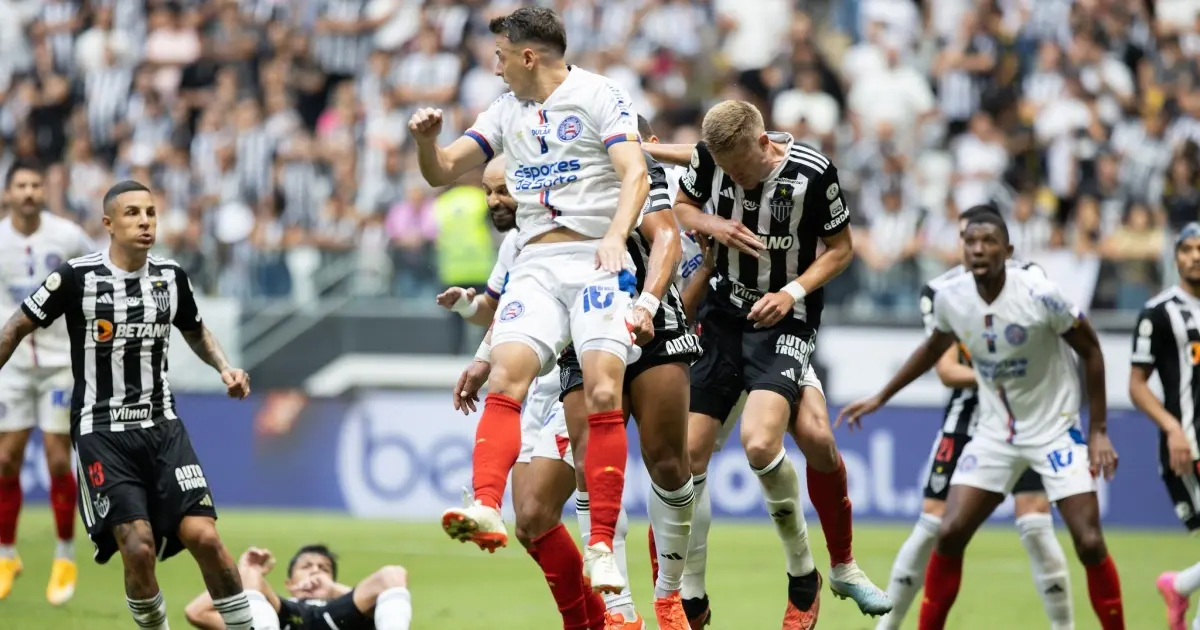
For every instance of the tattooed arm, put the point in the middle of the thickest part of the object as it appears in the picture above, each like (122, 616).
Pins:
(206, 346)
(16, 329)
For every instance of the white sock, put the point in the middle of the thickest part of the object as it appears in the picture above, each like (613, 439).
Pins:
(8, 551)
(620, 603)
(235, 611)
(65, 550)
(1187, 581)
(697, 555)
(1049, 566)
(781, 490)
(393, 609)
(262, 613)
(908, 570)
(671, 517)
(150, 614)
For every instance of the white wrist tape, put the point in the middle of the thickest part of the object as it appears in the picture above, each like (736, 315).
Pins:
(484, 352)
(648, 302)
(465, 307)
(795, 289)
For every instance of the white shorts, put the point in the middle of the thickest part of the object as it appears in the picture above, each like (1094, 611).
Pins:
(38, 397)
(555, 295)
(810, 380)
(995, 465)
(553, 441)
(543, 396)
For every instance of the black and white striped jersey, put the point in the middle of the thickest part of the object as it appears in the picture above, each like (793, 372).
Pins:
(670, 316)
(119, 324)
(1167, 340)
(961, 409)
(799, 203)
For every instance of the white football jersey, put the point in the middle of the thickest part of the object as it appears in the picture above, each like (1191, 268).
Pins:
(558, 168)
(504, 262)
(24, 262)
(1028, 386)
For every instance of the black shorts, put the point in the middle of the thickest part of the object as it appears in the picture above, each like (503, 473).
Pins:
(140, 475)
(1183, 492)
(668, 346)
(738, 357)
(945, 459)
(312, 614)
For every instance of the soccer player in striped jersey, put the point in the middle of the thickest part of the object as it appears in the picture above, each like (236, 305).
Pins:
(1036, 526)
(142, 490)
(35, 390)
(773, 200)
(1167, 341)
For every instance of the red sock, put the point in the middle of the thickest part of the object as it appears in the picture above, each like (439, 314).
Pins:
(10, 507)
(497, 445)
(1104, 589)
(597, 610)
(829, 497)
(653, 557)
(942, 579)
(62, 503)
(556, 553)
(604, 469)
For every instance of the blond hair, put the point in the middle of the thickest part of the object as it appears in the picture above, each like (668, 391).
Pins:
(730, 125)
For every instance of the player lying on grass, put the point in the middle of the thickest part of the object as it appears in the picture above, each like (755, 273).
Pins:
(380, 601)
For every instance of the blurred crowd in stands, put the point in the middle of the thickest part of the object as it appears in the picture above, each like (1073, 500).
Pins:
(275, 130)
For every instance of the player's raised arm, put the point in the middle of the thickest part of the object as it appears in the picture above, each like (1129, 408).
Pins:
(674, 154)
(440, 166)
(659, 227)
(201, 340)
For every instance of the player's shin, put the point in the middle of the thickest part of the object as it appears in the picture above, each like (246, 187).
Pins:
(697, 553)
(943, 578)
(497, 446)
(393, 609)
(235, 611)
(908, 570)
(1104, 591)
(262, 614)
(671, 516)
(604, 468)
(10, 509)
(831, 499)
(556, 554)
(62, 503)
(149, 613)
(1049, 566)
(781, 491)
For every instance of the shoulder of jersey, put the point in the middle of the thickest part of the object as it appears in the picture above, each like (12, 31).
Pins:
(937, 283)
(503, 98)
(93, 259)
(163, 262)
(1166, 295)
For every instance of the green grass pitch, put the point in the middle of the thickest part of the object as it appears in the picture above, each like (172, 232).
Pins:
(457, 587)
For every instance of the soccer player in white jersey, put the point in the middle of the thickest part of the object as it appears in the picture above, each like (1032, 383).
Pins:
(576, 169)
(1020, 332)
(1031, 507)
(36, 388)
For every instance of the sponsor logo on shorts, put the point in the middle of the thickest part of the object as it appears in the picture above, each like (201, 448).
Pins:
(597, 298)
(512, 311)
(967, 463)
(937, 482)
(206, 501)
(1015, 334)
(794, 347)
(687, 344)
(190, 477)
(570, 128)
(1061, 459)
(131, 413)
(102, 505)
(745, 294)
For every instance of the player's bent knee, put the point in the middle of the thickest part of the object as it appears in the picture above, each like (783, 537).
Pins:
(602, 394)
(933, 507)
(137, 549)
(195, 611)
(952, 538)
(391, 576)
(1030, 503)
(1089, 545)
(762, 448)
(666, 468)
(535, 518)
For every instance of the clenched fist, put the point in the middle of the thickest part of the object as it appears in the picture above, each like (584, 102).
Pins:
(425, 124)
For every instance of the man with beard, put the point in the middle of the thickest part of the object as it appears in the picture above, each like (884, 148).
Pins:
(35, 390)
